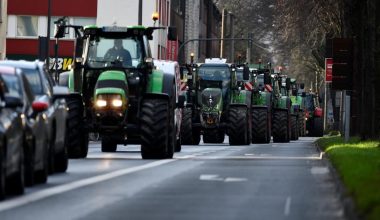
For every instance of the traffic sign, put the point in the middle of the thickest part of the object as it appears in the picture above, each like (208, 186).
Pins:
(329, 69)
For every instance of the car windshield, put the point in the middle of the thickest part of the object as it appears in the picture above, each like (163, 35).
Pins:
(34, 79)
(13, 85)
(105, 52)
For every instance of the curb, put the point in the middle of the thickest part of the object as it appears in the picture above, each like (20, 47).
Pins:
(349, 207)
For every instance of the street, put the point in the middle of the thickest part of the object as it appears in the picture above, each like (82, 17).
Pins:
(273, 181)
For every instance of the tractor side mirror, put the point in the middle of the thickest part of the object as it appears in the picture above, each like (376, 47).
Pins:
(59, 31)
(267, 78)
(246, 74)
(288, 84)
(172, 33)
(302, 86)
(181, 101)
(149, 63)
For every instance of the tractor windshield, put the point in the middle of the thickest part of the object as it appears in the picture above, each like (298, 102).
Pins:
(106, 52)
(215, 74)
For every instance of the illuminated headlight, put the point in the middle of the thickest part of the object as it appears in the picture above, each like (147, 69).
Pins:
(101, 103)
(117, 103)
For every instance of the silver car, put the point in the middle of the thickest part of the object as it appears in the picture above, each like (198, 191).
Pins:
(46, 91)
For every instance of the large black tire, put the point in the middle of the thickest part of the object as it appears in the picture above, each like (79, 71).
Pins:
(260, 126)
(2, 171)
(317, 127)
(186, 127)
(61, 161)
(213, 136)
(301, 124)
(294, 128)
(108, 145)
(77, 143)
(280, 126)
(238, 126)
(155, 128)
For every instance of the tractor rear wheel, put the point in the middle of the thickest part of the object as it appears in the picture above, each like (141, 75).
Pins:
(301, 125)
(77, 142)
(317, 127)
(280, 126)
(238, 126)
(260, 126)
(186, 127)
(294, 127)
(155, 123)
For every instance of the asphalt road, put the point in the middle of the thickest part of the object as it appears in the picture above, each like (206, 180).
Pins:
(274, 181)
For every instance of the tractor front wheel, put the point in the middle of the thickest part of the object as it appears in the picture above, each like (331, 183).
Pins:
(155, 128)
(260, 126)
(280, 126)
(238, 126)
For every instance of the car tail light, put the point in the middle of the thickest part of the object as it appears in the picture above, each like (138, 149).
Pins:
(38, 106)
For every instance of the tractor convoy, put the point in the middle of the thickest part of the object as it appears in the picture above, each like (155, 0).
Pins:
(118, 91)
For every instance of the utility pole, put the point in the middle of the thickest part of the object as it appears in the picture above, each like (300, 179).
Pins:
(222, 35)
(232, 51)
(249, 47)
(140, 13)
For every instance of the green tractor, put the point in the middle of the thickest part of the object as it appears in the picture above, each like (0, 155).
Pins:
(261, 104)
(281, 114)
(216, 105)
(298, 106)
(117, 92)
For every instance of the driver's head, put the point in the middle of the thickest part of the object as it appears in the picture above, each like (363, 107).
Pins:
(118, 43)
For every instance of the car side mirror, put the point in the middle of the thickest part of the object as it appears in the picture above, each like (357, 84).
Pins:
(38, 106)
(13, 102)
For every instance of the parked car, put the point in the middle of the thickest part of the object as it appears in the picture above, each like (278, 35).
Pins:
(34, 127)
(45, 90)
(11, 138)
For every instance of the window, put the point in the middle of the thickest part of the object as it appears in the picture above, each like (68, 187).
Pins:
(27, 26)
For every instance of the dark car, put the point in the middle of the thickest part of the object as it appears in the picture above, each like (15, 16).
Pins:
(45, 90)
(34, 127)
(11, 138)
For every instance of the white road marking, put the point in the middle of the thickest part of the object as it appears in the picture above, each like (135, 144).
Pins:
(210, 177)
(319, 170)
(234, 179)
(6, 205)
(249, 154)
(256, 158)
(288, 202)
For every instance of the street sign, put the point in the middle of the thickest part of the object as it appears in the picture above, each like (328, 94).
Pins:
(343, 64)
(329, 69)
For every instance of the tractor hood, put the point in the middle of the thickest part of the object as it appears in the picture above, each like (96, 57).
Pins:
(211, 99)
(112, 82)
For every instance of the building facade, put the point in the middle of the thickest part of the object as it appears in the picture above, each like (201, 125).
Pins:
(3, 27)
(27, 20)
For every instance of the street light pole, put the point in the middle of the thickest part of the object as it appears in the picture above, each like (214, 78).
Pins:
(47, 61)
(222, 35)
(140, 13)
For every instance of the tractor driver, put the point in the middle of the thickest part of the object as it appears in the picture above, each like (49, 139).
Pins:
(118, 52)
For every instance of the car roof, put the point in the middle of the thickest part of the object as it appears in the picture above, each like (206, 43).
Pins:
(22, 64)
(7, 70)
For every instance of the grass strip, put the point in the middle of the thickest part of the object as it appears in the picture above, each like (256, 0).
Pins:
(358, 163)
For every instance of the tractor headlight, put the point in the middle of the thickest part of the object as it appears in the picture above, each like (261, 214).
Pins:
(101, 103)
(117, 103)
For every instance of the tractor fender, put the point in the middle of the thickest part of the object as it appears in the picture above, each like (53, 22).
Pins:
(238, 105)
(161, 83)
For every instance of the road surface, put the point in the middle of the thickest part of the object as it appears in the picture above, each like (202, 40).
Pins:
(268, 181)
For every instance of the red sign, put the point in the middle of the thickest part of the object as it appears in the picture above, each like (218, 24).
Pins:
(171, 53)
(329, 69)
